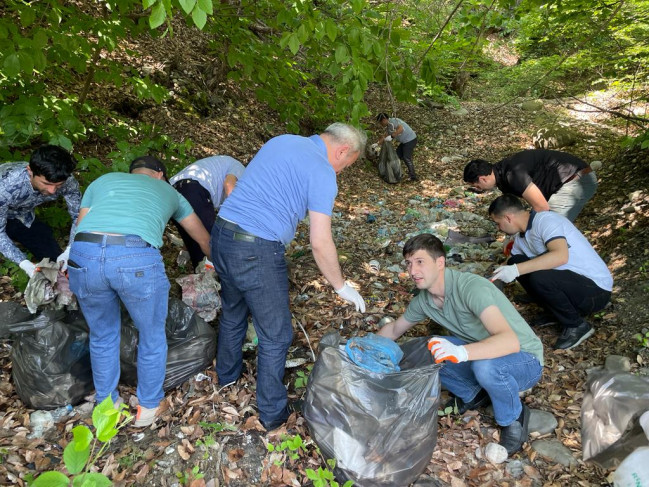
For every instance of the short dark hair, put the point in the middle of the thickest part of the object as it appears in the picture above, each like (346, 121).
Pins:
(476, 168)
(148, 162)
(382, 116)
(507, 203)
(52, 162)
(425, 241)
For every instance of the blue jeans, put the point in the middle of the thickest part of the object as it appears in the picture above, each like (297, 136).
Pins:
(501, 377)
(572, 196)
(101, 275)
(254, 280)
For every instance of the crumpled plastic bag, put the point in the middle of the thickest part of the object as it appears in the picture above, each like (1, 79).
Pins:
(389, 163)
(48, 285)
(610, 412)
(50, 355)
(380, 428)
(201, 292)
(191, 345)
(375, 353)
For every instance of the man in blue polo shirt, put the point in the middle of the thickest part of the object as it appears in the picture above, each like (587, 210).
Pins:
(289, 176)
(556, 265)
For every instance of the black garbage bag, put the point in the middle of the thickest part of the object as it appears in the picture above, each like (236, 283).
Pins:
(389, 163)
(191, 345)
(50, 355)
(380, 428)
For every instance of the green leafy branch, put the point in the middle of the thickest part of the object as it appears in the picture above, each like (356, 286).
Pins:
(78, 454)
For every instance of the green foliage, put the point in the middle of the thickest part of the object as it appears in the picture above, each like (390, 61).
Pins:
(188, 476)
(643, 338)
(292, 445)
(78, 454)
(324, 477)
(217, 427)
(19, 278)
(302, 378)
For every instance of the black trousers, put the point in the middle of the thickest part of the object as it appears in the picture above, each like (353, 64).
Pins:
(38, 239)
(567, 295)
(201, 202)
(404, 151)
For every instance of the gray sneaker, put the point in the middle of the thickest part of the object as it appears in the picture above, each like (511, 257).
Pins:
(573, 336)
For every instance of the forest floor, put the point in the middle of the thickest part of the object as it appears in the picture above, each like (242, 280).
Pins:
(209, 434)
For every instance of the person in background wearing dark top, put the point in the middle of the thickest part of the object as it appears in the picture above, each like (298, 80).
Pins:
(23, 187)
(556, 265)
(546, 179)
(206, 183)
(397, 129)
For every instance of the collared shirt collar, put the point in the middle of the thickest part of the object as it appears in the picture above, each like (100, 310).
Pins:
(529, 223)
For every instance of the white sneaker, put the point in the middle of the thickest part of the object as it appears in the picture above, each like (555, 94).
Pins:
(144, 416)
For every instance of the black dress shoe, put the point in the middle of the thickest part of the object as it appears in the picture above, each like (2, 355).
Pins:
(542, 320)
(480, 400)
(273, 425)
(513, 436)
(573, 336)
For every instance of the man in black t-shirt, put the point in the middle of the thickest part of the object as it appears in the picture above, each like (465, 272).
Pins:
(546, 179)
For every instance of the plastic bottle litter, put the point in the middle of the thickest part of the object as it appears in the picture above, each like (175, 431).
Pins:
(62, 412)
(375, 265)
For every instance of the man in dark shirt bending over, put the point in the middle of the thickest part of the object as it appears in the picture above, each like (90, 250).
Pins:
(546, 179)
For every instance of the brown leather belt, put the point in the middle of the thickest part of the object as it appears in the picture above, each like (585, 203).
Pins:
(579, 174)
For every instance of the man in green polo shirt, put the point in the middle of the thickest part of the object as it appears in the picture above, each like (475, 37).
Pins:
(491, 353)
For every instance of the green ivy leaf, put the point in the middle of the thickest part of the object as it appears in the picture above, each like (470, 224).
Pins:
(331, 29)
(75, 457)
(51, 479)
(91, 480)
(294, 44)
(357, 5)
(158, 15)
(40, 39)
(148, 3)
(27, 16)
(357, 93)
(26, 62)
(342, 55)
(199, 17)
(206, 6)
(104, 418)
(4, 32)
(187, 5)
(82, 436)
(12, 65)
(64, 142)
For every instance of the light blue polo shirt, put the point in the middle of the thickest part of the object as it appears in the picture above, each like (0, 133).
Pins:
(289, 175)
(132, 204)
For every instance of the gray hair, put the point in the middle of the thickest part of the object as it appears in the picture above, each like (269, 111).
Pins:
(342, 133)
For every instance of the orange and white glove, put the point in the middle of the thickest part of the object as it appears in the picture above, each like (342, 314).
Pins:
(442, 350)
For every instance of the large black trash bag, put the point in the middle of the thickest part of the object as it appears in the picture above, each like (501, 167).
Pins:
(389, 164)
(50, 356)
(380, 428)
(191, 345)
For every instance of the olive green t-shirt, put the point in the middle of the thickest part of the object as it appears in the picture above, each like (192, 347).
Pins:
(466, 297)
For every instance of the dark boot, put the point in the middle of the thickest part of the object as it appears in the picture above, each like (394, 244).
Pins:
(513, 436)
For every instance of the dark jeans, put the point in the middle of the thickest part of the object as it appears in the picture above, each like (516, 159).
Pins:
(38, 238)
(254, 280)
(203, 206)
(567, 295)
(404, 151)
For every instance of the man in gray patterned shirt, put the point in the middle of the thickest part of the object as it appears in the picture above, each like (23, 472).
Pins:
(24, 186)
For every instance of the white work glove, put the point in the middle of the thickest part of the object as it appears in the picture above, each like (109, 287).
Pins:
(62, 260)
(442, 350)
(506, 273)
(351, 295)
(28, 267)
(388, 138)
